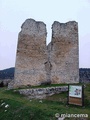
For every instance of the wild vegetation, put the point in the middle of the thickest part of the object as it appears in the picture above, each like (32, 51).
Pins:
(14, 106)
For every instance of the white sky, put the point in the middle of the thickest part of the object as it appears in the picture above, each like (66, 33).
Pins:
(14, 12)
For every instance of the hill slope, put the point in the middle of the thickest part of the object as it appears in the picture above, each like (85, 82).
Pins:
(7, 73)
(84, 74)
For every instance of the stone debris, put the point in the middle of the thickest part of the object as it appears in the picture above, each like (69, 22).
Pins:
(61, 118)
(3, 104)
(40, 101)
(5, 111)
(41, 93)
(6, 106)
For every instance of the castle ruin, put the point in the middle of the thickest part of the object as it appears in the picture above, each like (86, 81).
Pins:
(38, 63)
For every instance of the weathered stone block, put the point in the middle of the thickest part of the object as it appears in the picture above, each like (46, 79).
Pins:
(41, 93)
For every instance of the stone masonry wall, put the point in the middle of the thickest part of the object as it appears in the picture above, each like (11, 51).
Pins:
(63, 53)
(40, 93)
(37, 63)
(31, 54)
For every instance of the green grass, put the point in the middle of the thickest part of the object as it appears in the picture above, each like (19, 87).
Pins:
(20, 108)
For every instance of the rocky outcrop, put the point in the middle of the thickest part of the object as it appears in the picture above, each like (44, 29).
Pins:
(41, 93)
(37, 63)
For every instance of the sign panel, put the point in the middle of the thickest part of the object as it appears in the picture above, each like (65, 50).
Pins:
(76, 94)
(75, 91)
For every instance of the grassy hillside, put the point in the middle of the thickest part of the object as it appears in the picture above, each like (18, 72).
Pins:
(14, 106)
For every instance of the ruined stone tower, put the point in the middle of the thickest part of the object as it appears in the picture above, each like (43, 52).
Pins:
(37, 63)
(63, 53)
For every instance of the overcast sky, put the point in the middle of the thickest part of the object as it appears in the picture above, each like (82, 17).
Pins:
(14, 12)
